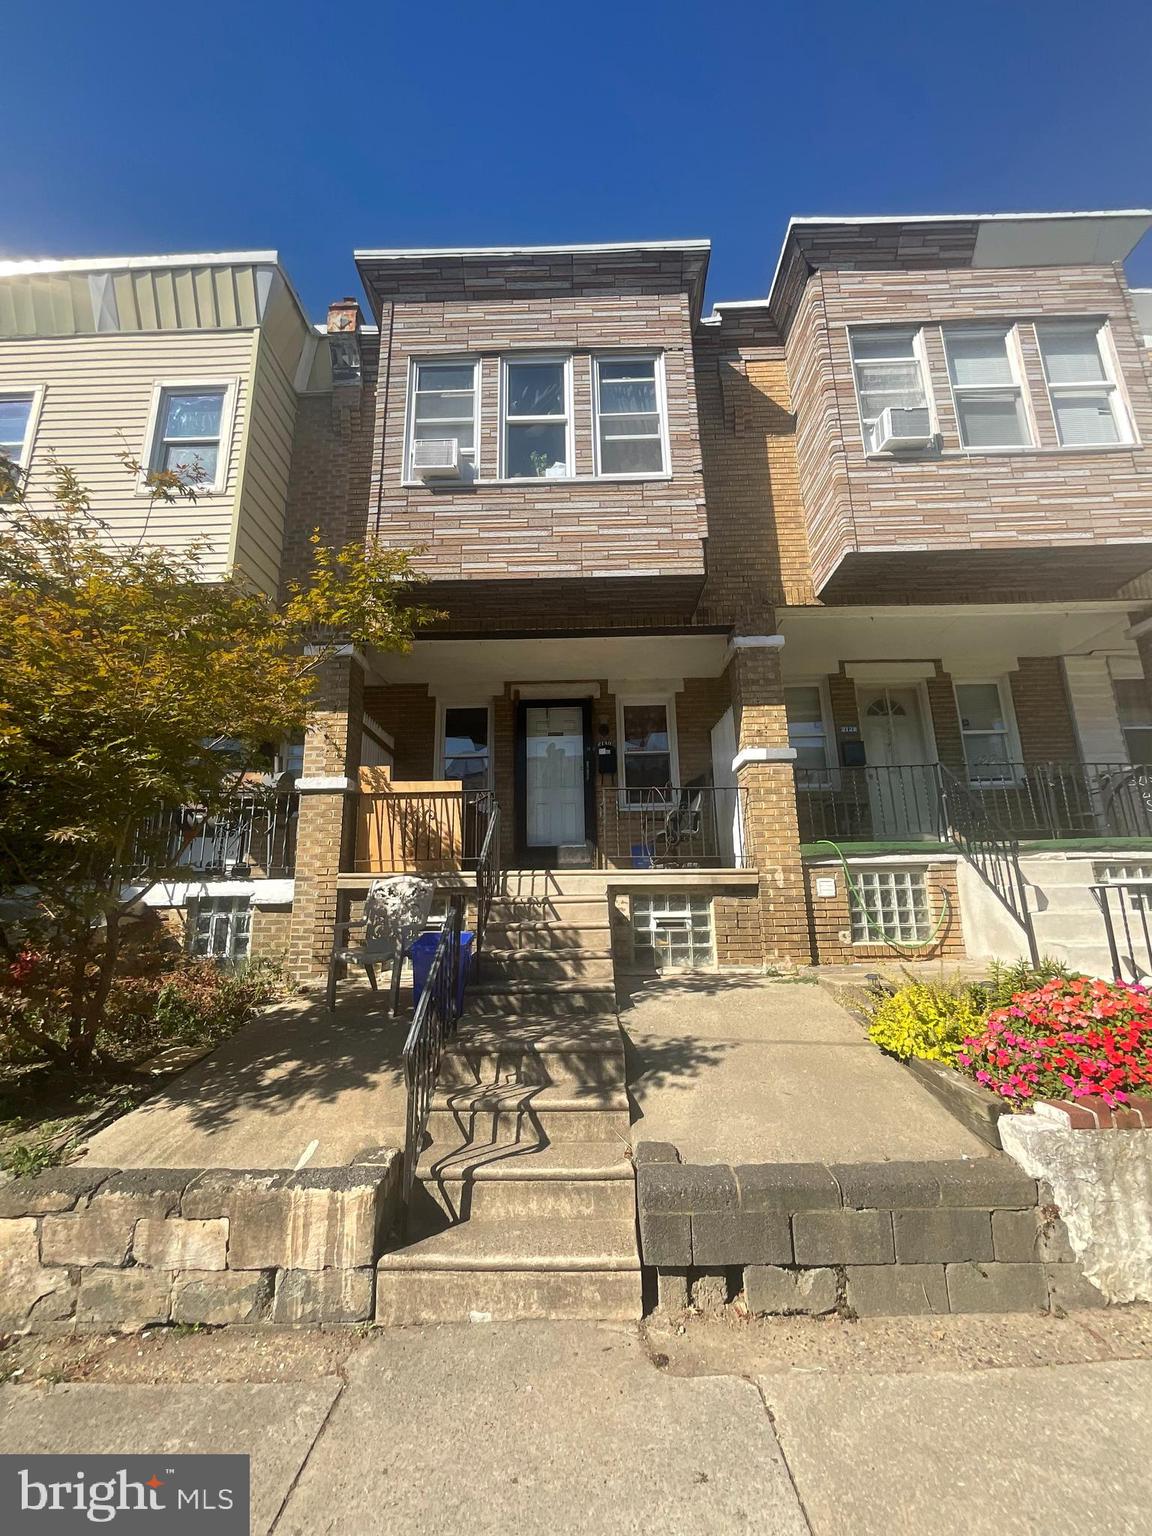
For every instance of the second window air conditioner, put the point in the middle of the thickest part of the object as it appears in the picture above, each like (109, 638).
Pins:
(902, 429)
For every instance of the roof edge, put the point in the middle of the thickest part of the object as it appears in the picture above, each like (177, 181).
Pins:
(29, 266)
(399, 253)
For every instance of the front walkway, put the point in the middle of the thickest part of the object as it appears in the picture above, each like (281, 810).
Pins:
(737, 1069)
(299, 1087)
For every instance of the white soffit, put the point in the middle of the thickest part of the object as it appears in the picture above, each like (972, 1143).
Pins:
(488, 664)
(1055, 241)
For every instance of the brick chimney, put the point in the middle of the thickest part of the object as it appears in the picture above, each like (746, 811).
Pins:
(344, 325)
(344, 317)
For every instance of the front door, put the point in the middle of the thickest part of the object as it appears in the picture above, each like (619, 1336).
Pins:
(901, 782)
(555, 817)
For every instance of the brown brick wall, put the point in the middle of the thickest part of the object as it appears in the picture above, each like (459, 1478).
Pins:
(831, 916)
(1043, 717)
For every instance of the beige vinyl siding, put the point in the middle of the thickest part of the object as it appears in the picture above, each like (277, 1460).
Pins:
(98, 395)
(259, 539)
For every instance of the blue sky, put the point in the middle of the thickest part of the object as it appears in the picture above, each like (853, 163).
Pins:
(313, 129)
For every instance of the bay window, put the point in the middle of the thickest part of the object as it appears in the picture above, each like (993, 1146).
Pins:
(1086, 401)
(537, 418)
(889, 371)
(444, 397)
(629, 403)
(986, 388)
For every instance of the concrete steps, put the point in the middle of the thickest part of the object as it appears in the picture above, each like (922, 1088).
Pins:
(1066, 918)
(524, 1203)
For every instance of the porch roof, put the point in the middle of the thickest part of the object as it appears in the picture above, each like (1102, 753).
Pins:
(458, 663)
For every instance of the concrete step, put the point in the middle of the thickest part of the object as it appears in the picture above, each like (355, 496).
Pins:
(554, 964)
(573, 913)
(546, 936)
(1090, 959)
(555, 882)
(1061, 898)
(1052, 872)
(536, 1269)
(590, 1180)
(535, 1051)
(559, 998)
(532, 1116)
(1074, 928)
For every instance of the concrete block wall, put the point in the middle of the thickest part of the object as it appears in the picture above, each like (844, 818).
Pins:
(864, 1239)
(99, 1248)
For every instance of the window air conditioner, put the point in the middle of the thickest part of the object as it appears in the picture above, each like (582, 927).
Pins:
(436, 458)
(902, 428)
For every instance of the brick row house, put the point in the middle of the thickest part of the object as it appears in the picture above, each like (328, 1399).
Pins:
(748, 621)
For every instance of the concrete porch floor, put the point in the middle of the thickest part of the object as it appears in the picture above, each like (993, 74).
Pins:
(739, 1069)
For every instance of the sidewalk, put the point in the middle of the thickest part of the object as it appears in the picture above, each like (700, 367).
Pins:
(931, 1428)
(737, 1069)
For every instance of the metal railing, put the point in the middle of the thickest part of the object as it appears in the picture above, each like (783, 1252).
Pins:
(426, 831)
(255, 834)
(1057, 800)
(433, 1023)
(487, 881)
(992, 852)
(1124, 906)
(689, 826)
(869, 804)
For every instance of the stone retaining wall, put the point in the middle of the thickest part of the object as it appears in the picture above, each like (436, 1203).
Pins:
(90, 1248)
(864, 1239)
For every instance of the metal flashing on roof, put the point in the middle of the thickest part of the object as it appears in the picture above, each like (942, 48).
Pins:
(426, 252)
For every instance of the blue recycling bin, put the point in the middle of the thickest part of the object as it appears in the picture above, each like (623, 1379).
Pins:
(642, 856)
(421, 954)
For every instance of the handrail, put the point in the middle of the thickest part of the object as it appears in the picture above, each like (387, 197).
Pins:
(487, 880)
(992, 852)
(432, 1024)
(1132, 902)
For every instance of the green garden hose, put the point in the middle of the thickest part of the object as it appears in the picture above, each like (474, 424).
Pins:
(904, 949)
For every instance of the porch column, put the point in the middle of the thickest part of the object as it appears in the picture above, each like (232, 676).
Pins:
(764, 774)
(326, 825)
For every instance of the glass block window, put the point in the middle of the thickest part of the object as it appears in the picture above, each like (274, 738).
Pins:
(896, 902)
(220, 928)
(673, 931)
(1113, 873)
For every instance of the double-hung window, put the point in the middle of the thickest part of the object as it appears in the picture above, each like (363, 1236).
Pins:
(807, 734)
(1135, 711)
(986, 731)
(629, 416)
(647, 756)
(18, 411)
(537, 398)
(464, 745)
(444, 396)
(986, 387)
(1086, 401)
(189, 432)
(889, 369)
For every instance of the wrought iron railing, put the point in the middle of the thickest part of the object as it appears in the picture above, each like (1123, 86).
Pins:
(689, 826)
(1124, 906)
(487, 881)
(255, 834)
(992, 852)
(1057, 800)
(425, 831)
(433, 1022)
(883, 804)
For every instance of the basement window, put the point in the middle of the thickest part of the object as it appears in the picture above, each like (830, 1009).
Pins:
(671, 931)
(220, 928)
(889, 904)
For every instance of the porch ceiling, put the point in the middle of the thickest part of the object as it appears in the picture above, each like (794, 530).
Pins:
(975, 639)
(449, 663)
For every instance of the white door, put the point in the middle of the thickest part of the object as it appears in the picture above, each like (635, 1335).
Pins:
(728, 824)
(555, 775)
(901, 784)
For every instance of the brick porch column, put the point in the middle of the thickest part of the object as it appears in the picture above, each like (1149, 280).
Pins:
(326, 826)
(763, 767)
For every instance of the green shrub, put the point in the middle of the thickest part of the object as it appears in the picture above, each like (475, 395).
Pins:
(1005, 981)
(928, 1020)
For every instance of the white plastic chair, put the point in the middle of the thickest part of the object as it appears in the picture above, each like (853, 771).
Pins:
(395, 914)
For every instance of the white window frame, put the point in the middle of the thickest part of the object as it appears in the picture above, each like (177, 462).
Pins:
(626, 790)
(529, 358)
(23, 392)
(1010, 332)
(1010, 732)
(455, 359)
(442, 708)
(658, 373)
(152, 442)
(1110, 384)
(919, 356)
(828, 779)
